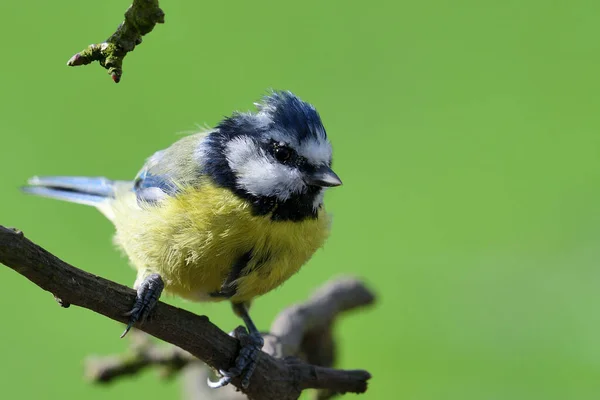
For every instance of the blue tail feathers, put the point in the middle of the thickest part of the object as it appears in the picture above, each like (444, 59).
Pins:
(76, 189)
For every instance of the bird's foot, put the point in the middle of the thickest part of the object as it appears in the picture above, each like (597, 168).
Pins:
(147, 296)
(245, 363)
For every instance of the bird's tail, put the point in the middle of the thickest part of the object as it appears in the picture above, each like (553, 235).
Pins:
(97, 192)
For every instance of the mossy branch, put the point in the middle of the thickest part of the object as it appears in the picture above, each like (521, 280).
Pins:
(140, 18)
(278, 376)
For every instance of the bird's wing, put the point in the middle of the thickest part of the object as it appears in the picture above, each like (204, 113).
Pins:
(167, 171)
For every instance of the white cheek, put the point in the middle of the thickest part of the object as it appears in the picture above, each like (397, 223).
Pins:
(258, 174)
(239, 151)
(261, 178)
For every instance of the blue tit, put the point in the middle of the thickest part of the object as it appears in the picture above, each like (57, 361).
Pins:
(230, 213)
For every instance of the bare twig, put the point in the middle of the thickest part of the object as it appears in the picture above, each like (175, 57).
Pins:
(298, 324)
(282, 379)
(143, 354)
(140, 18)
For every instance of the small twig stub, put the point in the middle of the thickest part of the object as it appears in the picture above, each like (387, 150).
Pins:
(140, 18)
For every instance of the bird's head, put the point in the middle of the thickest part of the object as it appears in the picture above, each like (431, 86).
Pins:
(279, 157)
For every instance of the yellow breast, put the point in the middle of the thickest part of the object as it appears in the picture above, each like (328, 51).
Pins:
(195, 238)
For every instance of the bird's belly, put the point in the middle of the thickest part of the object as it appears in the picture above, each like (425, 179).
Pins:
(255, 279)
(197, 239)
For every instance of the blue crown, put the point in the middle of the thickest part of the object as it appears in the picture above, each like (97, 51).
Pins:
(291, 114)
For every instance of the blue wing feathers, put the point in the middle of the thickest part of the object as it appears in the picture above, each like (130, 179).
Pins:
(150, 189)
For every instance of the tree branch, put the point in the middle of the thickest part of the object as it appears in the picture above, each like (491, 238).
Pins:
(302, 330)
(140, 18)
(281, 379)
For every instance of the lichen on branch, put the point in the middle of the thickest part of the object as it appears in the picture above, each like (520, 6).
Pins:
(140, 18)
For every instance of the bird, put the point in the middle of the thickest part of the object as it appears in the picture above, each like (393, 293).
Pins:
(228, 213)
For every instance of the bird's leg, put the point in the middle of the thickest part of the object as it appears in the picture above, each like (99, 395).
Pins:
(148, 293)
(252, 343)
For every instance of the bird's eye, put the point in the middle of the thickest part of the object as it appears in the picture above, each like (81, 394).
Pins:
(282, 153)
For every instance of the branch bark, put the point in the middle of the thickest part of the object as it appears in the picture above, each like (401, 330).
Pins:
(302, 330)
(140, 18)
(274, 378)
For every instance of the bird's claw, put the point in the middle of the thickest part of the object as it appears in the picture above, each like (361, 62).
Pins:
(147, 296)
(224, 381)
(245, 362)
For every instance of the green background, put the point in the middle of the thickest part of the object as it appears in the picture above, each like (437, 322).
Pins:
(466, 134)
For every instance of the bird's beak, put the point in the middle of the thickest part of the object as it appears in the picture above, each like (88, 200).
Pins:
(323, 176)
